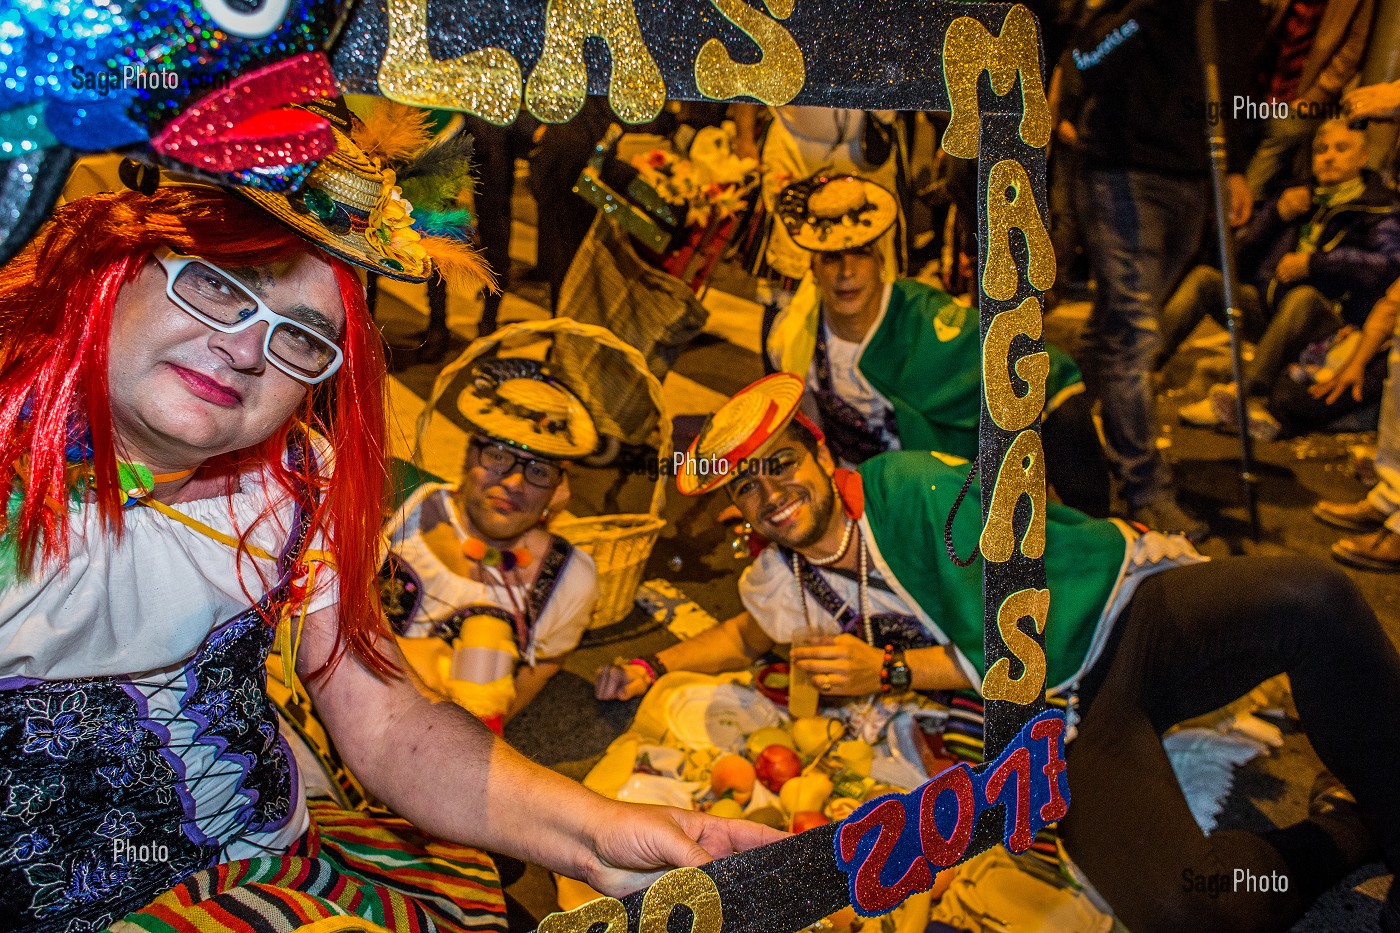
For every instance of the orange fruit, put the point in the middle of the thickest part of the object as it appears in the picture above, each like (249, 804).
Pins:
(733, 775)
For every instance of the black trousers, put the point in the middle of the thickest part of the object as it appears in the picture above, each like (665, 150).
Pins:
(494, 150)
(1192, 640)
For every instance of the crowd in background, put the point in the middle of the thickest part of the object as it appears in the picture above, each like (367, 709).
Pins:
(1308, 197)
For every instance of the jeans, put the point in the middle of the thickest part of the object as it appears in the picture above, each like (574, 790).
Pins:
(1141, 230)
(1304, 315)
(1193, 639)
(1075, 464)
(1385, 495)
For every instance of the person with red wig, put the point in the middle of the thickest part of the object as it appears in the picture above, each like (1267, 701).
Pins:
(192, 412)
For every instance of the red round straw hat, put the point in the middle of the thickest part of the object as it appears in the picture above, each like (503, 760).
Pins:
(741, 429)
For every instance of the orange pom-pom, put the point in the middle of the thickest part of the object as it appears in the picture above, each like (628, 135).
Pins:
(474, 548)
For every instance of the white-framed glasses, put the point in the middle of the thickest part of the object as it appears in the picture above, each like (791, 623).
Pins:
(217, 299)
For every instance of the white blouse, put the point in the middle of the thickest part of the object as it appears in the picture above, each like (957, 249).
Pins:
(146, 600)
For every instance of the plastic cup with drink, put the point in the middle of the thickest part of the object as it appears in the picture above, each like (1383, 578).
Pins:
(803, 695)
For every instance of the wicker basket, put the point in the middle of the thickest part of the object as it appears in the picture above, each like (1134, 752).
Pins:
(618, 544)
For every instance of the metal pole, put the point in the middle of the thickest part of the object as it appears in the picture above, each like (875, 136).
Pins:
(1215, 136)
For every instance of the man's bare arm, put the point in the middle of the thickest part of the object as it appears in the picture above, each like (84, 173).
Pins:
(729, 646)
(437, 766)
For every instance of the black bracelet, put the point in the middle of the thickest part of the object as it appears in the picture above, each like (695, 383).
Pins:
(656, 664)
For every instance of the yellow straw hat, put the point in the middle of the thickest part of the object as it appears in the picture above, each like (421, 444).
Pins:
(827, 213)
(351, 207)
(517, 401)
(741, 429)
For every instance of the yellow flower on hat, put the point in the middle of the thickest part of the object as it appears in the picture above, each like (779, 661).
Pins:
(390, 231)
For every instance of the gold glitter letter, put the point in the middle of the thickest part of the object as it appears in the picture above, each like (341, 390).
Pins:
(780, 72)
(999, 684)
(1010, 411)
(485, 82)
(581, 919)
(688, 886)
(1022, 473)
(968, 50)
(1011, 206)
(557, 86)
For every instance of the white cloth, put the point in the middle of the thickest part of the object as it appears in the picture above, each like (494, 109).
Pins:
(141, 606)
(562, 621)
(829, 135)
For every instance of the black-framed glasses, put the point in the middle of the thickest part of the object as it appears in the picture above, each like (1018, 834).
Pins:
(218, 300)
(502, 461)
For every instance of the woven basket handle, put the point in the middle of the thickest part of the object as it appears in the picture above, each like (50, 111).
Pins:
(558, 325)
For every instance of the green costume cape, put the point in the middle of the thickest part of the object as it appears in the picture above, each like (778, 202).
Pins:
(925, 358)
(908, 496)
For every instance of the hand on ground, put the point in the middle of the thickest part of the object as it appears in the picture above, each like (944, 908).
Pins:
(620, 682)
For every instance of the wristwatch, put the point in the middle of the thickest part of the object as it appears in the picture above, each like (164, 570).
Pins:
(896, 672)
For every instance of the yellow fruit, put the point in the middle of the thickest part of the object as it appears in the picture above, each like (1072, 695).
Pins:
(727, 808)
(807, 792)
(760, 739)
(839, 808)
(879, 790)
(811, 733)
(768, 816)
(856, 756)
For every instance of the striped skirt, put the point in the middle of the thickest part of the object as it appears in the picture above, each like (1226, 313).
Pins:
(352, 871)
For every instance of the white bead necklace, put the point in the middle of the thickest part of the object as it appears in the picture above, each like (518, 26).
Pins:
(840, 549)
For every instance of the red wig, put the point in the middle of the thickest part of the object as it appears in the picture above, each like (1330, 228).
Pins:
(56, 304)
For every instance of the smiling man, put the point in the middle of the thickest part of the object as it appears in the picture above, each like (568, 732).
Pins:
(1142, 633)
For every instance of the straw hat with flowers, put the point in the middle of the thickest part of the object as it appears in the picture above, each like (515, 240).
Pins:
(352, 203)
(827, 213)
(518, 401)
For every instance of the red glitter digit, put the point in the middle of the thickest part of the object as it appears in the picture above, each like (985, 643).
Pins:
(1050, 729)
(939, 851)
(1018, 761)
(870, 895)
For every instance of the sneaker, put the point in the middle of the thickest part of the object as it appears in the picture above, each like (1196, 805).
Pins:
(1166, 515)
(1360, 515)
(1262, 425)
(1199, 414)
(1222, 402)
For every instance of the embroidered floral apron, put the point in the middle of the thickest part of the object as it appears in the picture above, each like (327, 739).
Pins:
(100, 811)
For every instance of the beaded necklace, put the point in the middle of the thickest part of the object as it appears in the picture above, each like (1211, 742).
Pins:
(863, 590)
